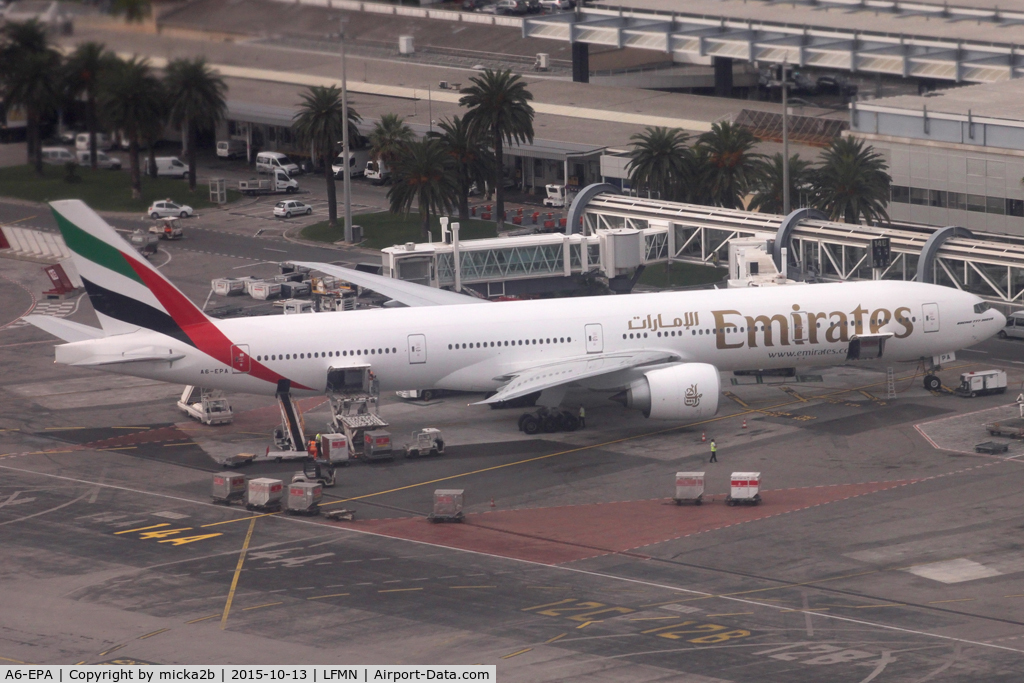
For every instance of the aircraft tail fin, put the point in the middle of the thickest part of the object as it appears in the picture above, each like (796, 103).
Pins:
(126, 292)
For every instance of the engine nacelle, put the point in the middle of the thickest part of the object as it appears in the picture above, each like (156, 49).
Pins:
(687, 392)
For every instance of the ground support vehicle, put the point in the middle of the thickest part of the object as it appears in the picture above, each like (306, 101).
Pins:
(447, 506)
(144, 242)
(981, 383)
(689, 488)
(548, 420)
(168, 230)
(354, 394)
(1014, 326)
(745, 489)
(1012, 427)
(208, 406)
(278, 182)
(427, 441)
(264, 495)
(228, 488)
(304, 498)
(422, 394)
(318, 472)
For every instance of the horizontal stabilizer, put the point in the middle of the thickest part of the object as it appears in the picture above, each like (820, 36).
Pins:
(408, 293)
(64, 329)
(94, 361)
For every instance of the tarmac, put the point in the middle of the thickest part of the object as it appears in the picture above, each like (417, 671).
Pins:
(884, 548)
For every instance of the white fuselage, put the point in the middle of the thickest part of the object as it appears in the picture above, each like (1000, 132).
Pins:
(476, 347)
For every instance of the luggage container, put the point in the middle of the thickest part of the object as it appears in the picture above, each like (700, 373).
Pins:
(265, 290)
(292, 290)
(447, 506)
(228, 286)
(377, 445)
(227, 488)
(304, 498)
(689, 488)
(264, 494)
(334, 448)
(745, 488)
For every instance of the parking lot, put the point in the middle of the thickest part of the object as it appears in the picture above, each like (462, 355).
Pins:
(884, 549)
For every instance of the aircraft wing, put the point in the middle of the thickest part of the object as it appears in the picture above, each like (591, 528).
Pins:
(408, 293)
(554, 374)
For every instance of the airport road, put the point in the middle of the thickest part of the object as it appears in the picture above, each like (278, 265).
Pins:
(874, 556)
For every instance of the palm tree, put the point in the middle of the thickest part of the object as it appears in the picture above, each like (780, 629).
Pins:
(423, 175)
(131, 97)
(767, 184)
(732, 165)
(134, 11)
(658, 161)
(499, 106)
(82, 79)
(29, 78)
(389, 138)
(471, 158)
(197, 101)
(852, 183)
(320, 124)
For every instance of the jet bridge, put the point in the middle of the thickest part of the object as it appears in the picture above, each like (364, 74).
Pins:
(617, 235)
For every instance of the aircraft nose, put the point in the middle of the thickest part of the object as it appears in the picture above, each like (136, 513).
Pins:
(1000, 319)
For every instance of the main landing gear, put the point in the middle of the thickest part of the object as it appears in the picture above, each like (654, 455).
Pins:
(932, 382)
(548, 421)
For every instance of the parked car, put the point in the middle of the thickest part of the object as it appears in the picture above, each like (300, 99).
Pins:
(836, 84)
(291, 207)
(231, 149)
(103, 160)
(506, 7)
(1014, 326)
(166, 208)
(270, 161)
(533, 6)
(171, 166)
(552, 5)
(473, 5)
(57, 155)
(68, 136)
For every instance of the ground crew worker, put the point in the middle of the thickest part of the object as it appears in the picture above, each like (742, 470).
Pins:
(583, 417)
(714, 452)
(319, 446)
(311, 449)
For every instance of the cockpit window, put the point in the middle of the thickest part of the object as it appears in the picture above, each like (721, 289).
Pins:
(982, 307)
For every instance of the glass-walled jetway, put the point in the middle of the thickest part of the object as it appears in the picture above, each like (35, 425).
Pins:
(618, 235)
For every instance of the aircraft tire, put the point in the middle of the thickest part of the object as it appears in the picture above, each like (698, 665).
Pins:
(551, 424)
(932, 382)
(530, 424)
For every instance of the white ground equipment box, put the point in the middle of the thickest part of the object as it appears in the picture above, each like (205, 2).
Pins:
(335, 448)
(447, 506)
(304, 498)
(981, 383)
(228, 488)
(745, 488)
(264, 494)
(228, 286)
(689, 488)
(206, 405)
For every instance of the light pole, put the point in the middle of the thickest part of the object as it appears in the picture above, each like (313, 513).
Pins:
(346, 157)
(785, 142)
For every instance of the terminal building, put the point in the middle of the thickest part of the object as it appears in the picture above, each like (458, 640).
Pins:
(956, 156)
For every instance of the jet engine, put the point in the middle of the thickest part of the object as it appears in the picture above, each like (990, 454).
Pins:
(687, 392)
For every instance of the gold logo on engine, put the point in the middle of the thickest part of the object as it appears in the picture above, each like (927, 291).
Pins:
(691, 398)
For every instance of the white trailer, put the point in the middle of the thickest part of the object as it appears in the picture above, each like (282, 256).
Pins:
(209, 406)
(279, 182)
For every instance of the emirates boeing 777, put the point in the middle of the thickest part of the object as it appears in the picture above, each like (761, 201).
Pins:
(660, 353)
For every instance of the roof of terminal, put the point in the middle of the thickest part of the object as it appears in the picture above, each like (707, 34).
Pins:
(992, 100)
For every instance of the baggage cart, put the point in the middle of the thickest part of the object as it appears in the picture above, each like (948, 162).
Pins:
(447, 506)
(293, 290)
(228, 488)
(377, 445)
(991, 447)
(239, 460)
(744, 488)
(262, 291)
(689, 488)
(264, 495)
(1012, 427)
(304, 498)
(228, 286)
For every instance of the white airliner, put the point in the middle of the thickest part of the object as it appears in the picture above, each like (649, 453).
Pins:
(662, 352)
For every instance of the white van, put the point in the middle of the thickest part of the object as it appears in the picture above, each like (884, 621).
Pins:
(231, 149)
(378, 172)
(271, 161)
(57, 155)
(1014, 326)
(356, 164)
(171, 166)
(103, 141)
(103, 160)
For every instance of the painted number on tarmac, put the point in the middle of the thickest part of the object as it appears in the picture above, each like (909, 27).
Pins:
(706, 633)
(160, 534)
(819, 654)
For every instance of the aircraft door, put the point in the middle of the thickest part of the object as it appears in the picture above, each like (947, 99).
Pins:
(240, 359)
(595, 338)
(931, 317)
(417, 348)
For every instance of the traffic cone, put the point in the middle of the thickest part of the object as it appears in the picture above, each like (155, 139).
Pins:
(492, 502)
(703, 437)
(744, 423)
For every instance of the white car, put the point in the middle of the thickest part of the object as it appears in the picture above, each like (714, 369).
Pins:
(551, 5)
(290, 207)
(167, 208)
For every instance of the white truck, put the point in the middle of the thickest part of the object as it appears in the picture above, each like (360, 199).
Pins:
(981, 383)
(278, 182)
(208, 406)
(377, 172)
(556, 196)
